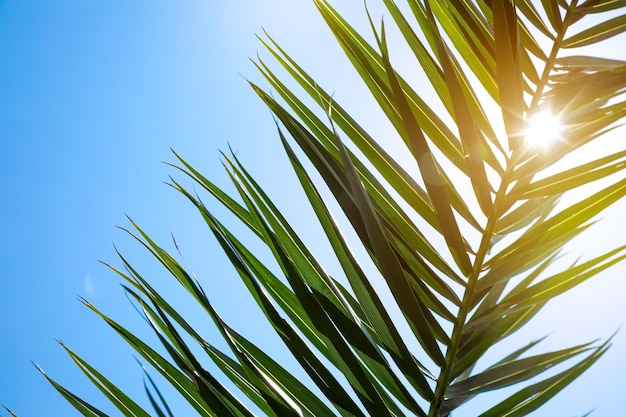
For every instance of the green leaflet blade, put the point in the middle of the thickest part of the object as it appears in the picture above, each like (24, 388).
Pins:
(574, 177)
(153, 400)
(300, 272)
(78, 403)
(528, 212)
(476, 52)
(597, 6)
(509, 71)
(464, 120)
(530, 12)
(211, 389)
(600, 32)
(490, 310)
(586, 63)
(434, 73)
(528, 399)
(391, 269)
(390, 170)
(369, 300)
(513, 372)
(370, 66)
(528, 258)
(551, 8)
(123, 402)
(562, 222)
(297, 391)
(221, 196)
(332, 172)
(316, 370)
(507, 373)
(179, 380)
(479, 343)
(565, 280)
(428, 169)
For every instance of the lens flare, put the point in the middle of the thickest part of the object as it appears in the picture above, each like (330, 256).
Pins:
(543, 130)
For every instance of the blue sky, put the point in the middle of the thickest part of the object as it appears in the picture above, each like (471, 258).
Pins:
(92, 95)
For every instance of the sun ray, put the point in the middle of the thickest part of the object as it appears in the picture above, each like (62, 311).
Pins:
(543, 130)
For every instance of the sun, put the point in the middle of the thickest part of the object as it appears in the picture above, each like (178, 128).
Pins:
(543, 130)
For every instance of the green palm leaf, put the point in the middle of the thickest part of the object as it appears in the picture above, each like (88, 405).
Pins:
(468, 236)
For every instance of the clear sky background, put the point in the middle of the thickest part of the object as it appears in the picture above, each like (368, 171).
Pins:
(92, 95)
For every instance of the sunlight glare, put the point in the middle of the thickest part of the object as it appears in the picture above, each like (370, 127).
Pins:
(543, 130)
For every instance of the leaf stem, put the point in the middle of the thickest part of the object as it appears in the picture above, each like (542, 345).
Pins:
(444, 378)
(547, 69)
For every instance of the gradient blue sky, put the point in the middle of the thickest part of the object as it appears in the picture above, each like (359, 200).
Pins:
(92, 95)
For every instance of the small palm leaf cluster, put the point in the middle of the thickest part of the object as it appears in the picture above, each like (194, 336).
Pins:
(475, 182)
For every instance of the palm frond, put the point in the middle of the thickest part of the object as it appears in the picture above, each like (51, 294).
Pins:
(469, 236)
